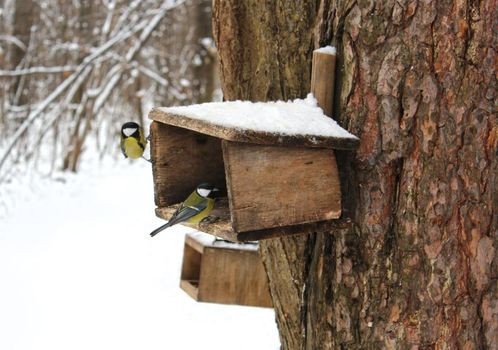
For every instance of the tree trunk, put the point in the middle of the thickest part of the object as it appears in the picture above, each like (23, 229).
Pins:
(416, 81)
(21, 22)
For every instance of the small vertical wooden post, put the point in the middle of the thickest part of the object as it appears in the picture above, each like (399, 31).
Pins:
(323, 77)
(322, 87)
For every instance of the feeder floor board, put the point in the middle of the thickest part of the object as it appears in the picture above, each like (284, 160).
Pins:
(221, 225)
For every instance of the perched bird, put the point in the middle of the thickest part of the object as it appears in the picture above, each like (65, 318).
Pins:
(194, 209)
(133, 141)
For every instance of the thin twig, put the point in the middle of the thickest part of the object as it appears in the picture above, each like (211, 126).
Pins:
(37, 70)
(13, 40)
(106, 91)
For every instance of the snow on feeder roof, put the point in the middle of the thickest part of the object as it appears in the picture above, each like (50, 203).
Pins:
(299, 122)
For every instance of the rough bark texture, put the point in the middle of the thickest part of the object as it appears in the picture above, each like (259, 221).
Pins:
(416, 80)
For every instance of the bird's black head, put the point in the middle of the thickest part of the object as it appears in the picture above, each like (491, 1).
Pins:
(207, 190)
(130, 129)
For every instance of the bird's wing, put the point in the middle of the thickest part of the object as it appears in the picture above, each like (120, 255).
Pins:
(122, 147)
(185, 212)
(142, 141)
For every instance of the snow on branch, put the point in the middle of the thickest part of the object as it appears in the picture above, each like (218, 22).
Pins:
(36, 70)
(133, 51)
(14, 40)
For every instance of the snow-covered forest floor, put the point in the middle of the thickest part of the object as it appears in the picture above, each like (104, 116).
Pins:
(78, 270)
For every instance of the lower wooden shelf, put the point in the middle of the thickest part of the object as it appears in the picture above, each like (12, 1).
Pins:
(222, 272)
(221, 225)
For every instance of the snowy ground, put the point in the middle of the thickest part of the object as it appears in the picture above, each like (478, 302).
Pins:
(78, 270)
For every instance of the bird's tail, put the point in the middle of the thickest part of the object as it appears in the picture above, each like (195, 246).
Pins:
(160, 228)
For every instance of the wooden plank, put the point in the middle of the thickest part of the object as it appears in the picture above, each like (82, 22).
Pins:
(271, 186)
(322, 81)
(191, 288)
(182, 159)
(194, 244)
(302, 229)
(231, 276)
(192, 259)
(222, 227)
(251, 136)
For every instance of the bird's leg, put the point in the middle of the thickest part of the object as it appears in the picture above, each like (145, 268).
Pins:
(209, 219)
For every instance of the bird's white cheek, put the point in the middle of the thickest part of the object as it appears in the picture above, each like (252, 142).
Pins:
(129, 131)
(203, 192)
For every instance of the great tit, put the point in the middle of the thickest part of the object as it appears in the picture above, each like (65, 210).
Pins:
(133, 141)
(194, 209)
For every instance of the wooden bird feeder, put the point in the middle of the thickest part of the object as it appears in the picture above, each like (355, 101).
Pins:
(273, 161)
(224, 273)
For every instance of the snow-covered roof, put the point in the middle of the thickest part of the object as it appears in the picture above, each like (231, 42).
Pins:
(298, 122)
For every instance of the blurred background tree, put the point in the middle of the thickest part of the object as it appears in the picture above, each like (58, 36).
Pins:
(71, 72)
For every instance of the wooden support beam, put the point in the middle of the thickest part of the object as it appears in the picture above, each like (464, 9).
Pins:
(323, 80)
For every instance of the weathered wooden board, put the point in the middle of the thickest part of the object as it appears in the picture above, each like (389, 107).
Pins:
(192, 253)
(301, 229)
(182, 159)
(221, 226)
(322, 80)
(252, 136)
(227, 274)
(270, 186)
(191, 287)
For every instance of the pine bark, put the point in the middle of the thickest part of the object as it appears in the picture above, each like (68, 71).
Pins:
(416, 81)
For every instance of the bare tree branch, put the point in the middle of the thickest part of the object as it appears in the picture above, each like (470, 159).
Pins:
(37, 70)
(73, 77)
(13, 40)
(119, 70)
(167, 5)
